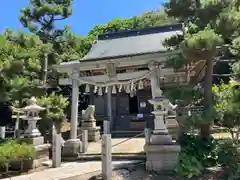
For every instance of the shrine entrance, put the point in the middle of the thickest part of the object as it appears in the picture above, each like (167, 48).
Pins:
(119, 74)
(133, 105)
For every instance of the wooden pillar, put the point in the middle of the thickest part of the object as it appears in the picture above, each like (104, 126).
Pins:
(91, 95)
(109, 107)
(117, 104)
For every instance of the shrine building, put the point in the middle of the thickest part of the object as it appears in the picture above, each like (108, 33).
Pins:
(119, 73)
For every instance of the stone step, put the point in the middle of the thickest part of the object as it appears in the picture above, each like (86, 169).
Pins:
(115, 157)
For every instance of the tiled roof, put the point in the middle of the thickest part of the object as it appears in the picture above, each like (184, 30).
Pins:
(133, 42)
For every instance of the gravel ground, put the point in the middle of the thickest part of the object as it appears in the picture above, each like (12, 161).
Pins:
(139, 173)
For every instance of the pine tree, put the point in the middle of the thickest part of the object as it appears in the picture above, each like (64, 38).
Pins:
(208, 26)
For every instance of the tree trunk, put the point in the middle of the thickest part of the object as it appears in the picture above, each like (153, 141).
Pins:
(208, 101)
(58, 127)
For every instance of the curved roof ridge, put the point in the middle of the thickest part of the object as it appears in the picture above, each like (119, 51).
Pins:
(139, 31)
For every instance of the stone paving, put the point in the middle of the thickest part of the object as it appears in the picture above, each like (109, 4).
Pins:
(70, 171)
(135, 145)
(73, 169)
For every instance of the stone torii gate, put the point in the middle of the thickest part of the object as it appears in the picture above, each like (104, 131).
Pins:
(123, 58)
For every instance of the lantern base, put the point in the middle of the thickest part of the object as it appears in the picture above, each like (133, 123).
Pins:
(36, 141)
(161, 157)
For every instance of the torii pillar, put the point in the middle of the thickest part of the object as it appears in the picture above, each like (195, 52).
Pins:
(73, 146)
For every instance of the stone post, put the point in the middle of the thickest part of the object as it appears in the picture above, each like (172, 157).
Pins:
(2, 132)
(85, 140)
(74, 112)
(73, 146)
(56, 148)
(147, 133)
(106, 157)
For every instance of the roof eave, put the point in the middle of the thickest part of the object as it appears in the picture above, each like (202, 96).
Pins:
(125, 55)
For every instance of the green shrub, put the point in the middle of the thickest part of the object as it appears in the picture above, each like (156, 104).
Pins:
(12, 149)
(188, 166)
(204, 150)
(197, 154)
(229, 158)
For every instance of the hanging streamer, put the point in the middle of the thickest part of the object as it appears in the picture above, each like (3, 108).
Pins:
(145, 83)
(100, 93)
(106, 89)
(127, 90)
(87, 88)
(135, 87)
(140, 85)
(120, 88)
(132, 86)
(114, 90)
(131, 94)
(95, 89)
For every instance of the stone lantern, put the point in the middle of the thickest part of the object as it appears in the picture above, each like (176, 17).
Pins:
(161, 152)
(159, 121)
(31, 114)
(32, 134)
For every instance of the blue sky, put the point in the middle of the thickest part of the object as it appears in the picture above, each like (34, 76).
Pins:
(86, 13)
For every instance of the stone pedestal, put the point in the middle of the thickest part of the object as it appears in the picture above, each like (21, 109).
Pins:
(72, 148)
(93, 130)
(162, 154)
(157, 139)
(161, 157)
(36, 141)
(42, 154)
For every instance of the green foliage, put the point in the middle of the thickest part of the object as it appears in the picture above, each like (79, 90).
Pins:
(228, 108)
(153, 19)
(188, 94)
(39, 17)
(55, 105)
(229, 158)
(12, 149)
(188, 166)
(236, 70)
(197, 119)
(20, 65)
(201, 44)
(203, 40)
(197, 154)
(175, 61)
(204, 149)
(147, 19)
